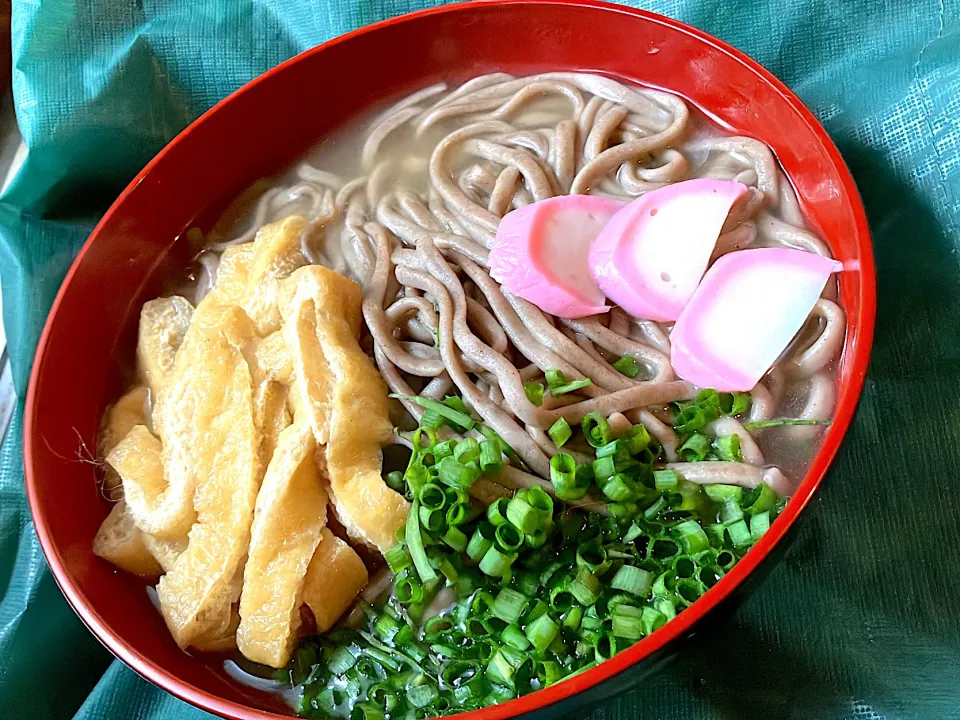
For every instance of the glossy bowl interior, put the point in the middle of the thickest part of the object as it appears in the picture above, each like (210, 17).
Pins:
(277, 117)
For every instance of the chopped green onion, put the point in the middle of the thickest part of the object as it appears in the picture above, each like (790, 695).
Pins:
(760, 499)
(614, 449)
(416, 476)
(499, 669)
(727, 448)
(408, 591)
(626, 365)
(432, 519)
(422, 695)
(593, 556)
(573, 616)
(491, 434)
(659, 504)
(534, 391)
(652, 620)
(563, 476)
(585, 587)
(695, 448)
(691, 536)
(632, 580)
(555, 377)
(558, 384)
(759, 524)
(560, 432)
(628, 627)
(456, 402)
(527, 583)
(619, 488)
(689, 420)
(458, 418)
(418, 436)
(455, 539)
(782, 422)
(739, 534)
(414, 541)
(443, 449)
(509, 605)
(536, 539)
(596, 429)
(514, 637)
(457, 475)
(497, 511)
(341, 661)
(508, 537)
(634, 531)
(724, 493)
(605, 648)
(666, 480)
(457, 514)
(395, 481)
(526, 519)
(708, 400)
(432, 497)
(604, 468)
(636, 439)
(542, 632)
(448, 570)
(735, 403)
(431, 419)
(549, 672)
(466, 450)
(623, 510)
(496, 563)
(480, 542)
(397, 559)
(491, 457)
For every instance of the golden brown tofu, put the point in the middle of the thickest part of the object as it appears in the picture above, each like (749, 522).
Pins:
(334, 579)
(249, 275)
(131, 409)
(121, 543)
(210, 457)
(343, 397)
(291, 511)
(163, 326)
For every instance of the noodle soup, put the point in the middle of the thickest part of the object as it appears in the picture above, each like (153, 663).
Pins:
(544, 489)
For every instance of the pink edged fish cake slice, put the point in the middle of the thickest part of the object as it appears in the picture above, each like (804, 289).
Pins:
(541, 253)
(747, 309)
(651, 255)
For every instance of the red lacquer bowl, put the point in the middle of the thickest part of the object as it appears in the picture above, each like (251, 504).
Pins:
(267, 124)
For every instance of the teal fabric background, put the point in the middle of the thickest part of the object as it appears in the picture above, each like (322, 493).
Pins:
(861, 618)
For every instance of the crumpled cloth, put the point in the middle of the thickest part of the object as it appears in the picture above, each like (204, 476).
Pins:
(861, 617)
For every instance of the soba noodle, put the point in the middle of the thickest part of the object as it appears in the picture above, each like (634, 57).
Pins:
(414, 214)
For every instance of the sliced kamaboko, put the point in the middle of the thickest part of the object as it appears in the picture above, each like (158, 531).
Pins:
(651, 255)
(743, 315)
(541, 253)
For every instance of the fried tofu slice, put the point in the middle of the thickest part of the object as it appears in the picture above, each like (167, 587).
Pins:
(120, 542)
(344, 400)
(271, 415)
(163, 326)
(205, 409)
(130, 410)
(210, 456)
(166, 551)
(249, 275)
(273, 358)
(334, 579)
(291, 511)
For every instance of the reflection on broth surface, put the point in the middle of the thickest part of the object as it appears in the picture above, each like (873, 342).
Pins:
(545, 490)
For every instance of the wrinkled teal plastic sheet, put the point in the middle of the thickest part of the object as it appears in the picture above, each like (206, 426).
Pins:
(862, 616)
